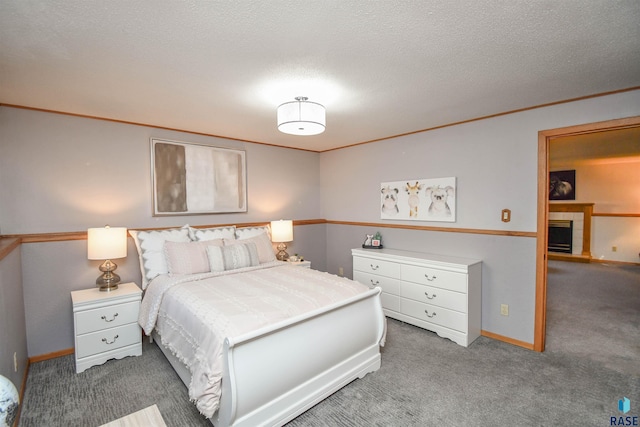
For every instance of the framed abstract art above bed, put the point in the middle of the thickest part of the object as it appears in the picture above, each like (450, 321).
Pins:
(197, 179)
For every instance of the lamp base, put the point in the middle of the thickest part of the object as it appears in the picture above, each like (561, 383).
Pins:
(109, 280)
(282, 254)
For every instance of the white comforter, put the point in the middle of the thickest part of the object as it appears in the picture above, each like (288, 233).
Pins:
(194, 314)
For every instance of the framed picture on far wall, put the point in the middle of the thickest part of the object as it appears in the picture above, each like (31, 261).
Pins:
(562, 185)
(191, 179)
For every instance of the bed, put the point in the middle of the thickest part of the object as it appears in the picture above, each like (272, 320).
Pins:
(256, 341)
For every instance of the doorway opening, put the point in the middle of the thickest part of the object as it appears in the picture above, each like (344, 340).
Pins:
(544, 139)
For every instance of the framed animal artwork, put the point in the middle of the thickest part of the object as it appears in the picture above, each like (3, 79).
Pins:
(562, 185)
(419, 199)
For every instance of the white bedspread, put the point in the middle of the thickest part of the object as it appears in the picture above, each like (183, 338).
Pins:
(194, 314)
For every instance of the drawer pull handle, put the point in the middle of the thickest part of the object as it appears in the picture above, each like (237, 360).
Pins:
(428, 297)
(105, 318)
(430, 315)
(104, 340)
(376, 283)
(374, 267)
(431, 279)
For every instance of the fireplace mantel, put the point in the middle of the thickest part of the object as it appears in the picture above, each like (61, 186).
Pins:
(587, 211)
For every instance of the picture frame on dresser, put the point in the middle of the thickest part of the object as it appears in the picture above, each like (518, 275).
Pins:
(197, 179)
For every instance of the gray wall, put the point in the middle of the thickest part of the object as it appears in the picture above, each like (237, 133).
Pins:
(64, 173)
(69, 173)
(13, 337)
(495, 162)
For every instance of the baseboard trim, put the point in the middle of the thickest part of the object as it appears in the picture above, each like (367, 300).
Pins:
(528, 346)
(53, 355)
(608, 261)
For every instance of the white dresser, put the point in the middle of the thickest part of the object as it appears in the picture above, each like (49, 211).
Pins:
(440, 293)
(106, 325)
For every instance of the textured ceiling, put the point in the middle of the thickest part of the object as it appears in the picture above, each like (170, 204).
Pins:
(381, 68)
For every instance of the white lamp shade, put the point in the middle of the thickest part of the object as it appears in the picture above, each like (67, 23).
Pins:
(282, 231)
(301, 117)
(107, 243)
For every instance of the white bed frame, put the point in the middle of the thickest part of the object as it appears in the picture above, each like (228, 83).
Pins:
(276, 373)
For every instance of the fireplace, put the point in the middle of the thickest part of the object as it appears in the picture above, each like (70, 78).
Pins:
(560, 236)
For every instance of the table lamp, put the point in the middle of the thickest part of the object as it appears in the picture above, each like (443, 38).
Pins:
(107, 243)
(281, 232)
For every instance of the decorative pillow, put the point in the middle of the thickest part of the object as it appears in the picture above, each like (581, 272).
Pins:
(200, 234)
(246, 232)
(263, 244)
(150, 246)
(188, 257)
(222, 258)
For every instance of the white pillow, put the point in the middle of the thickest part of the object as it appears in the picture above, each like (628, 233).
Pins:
(200, 234)
(150, 246)
(222, 258)
(263, 244)
(188, 257)
(246, 232)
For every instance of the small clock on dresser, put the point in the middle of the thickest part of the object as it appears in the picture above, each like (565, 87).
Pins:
(106, 325)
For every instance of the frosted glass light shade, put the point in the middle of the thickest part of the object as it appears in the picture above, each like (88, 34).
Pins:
(301, 117)
(107, 243)
(282, 231)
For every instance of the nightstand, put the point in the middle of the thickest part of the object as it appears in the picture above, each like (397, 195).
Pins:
(106, 325)
(305, 264)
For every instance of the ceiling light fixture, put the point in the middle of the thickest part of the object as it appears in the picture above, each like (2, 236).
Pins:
(301, 117)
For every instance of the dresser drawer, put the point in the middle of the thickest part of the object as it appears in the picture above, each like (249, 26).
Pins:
(388, 285)
(108, 339)
(390, 302)
(106, 317)
(434, 277)
(374, 266)
(431, 313)
(435, 296)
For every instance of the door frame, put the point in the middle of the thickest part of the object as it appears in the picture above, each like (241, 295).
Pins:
(544, 139)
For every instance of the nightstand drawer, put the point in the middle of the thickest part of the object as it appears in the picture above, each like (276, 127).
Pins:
(374, 266)
(106, 317)
(388, 285)
(109, 339)
(433, 277)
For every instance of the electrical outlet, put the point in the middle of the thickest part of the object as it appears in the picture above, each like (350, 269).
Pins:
(504, 309)
(614, 249)
(341, 271)
(15, 361)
